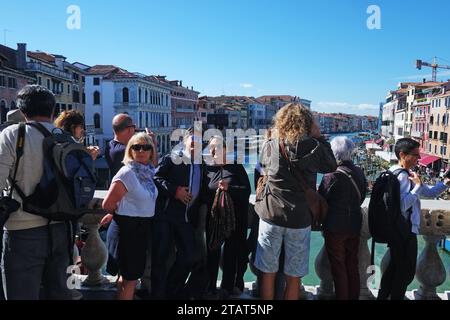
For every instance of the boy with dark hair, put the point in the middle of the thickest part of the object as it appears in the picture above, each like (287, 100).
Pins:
(402, 266)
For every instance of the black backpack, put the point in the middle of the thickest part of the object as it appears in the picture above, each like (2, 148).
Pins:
(386, 222)
(68, 181)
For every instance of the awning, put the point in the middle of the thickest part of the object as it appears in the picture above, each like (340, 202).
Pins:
(426, 159)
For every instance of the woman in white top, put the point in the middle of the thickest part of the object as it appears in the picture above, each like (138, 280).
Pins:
(131, 203)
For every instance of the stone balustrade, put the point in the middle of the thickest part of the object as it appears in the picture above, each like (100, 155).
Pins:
(430, 272)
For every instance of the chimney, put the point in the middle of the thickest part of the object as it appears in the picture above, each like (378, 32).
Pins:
(181, 83)
(21, 56)
(59, 61)
(424, 80)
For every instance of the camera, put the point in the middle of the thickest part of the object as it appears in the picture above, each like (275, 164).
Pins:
(7, 206)
(447, 174)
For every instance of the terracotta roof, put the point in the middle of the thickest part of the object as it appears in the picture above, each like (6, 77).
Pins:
(110, 71)
(428, 84)
(43, 56)
(285, 98)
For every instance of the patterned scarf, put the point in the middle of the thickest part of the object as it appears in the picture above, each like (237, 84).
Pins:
(145, 174)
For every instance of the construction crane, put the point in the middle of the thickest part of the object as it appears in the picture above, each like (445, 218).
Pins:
(434, 66)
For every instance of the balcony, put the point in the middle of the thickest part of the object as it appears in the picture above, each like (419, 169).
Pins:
(430, 271)
(417, 134)
(38, 67)
(186, 110)
(420, 102)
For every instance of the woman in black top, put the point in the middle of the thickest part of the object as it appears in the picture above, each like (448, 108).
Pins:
(234, 179)
(345, 191)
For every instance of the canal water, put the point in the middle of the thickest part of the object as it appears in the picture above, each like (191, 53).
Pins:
(317, 243)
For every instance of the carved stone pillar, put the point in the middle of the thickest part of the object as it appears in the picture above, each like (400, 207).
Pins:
(94, 254)
(430, 271)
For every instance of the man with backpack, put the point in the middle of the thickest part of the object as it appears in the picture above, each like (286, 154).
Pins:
(35, 252)
(394, 217)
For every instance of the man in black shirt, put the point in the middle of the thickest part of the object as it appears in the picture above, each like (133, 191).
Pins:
(124, 129)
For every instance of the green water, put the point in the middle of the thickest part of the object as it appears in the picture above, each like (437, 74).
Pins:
(317, 243)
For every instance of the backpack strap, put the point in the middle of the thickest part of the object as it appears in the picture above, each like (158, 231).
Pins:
(372, 255)
(19, 153)
(40, 127)
(353, 182)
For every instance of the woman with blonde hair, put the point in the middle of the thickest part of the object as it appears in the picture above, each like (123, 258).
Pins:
(291, 159)
(131, 202)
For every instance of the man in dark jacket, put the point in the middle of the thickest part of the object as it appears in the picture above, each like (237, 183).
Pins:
(178, 178)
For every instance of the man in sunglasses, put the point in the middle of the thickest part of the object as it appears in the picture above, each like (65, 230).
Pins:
(175, 220)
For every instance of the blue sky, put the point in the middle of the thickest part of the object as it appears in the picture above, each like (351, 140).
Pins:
(319, 50)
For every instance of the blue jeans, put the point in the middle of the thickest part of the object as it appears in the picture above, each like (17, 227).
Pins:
(35, 257)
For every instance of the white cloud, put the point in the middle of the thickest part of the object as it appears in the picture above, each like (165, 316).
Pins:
(246, 85)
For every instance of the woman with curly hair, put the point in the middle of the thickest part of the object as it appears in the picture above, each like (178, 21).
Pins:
(72, 122)
(295, 151)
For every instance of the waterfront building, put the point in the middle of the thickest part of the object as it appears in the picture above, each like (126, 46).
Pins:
(111, 90)
(12, 77)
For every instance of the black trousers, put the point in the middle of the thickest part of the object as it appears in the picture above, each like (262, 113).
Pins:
(401, 270)
(165, 235)
(235, 256)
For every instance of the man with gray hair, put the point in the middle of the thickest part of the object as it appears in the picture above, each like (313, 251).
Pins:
(345, 191)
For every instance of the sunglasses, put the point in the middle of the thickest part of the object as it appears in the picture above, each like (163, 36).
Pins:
(139, 147)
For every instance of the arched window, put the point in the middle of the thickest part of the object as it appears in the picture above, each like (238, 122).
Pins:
(125, 95)
(146, 119)
(97, 121)
(146, 96)
(140, 95)
(3, 111)
(96, 97)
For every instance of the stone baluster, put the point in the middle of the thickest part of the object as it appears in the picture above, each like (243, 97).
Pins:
(94, 254)
(323, 270)
(430, 270)
(364, 258)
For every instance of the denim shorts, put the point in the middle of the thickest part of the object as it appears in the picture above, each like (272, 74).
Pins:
(296, 248)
